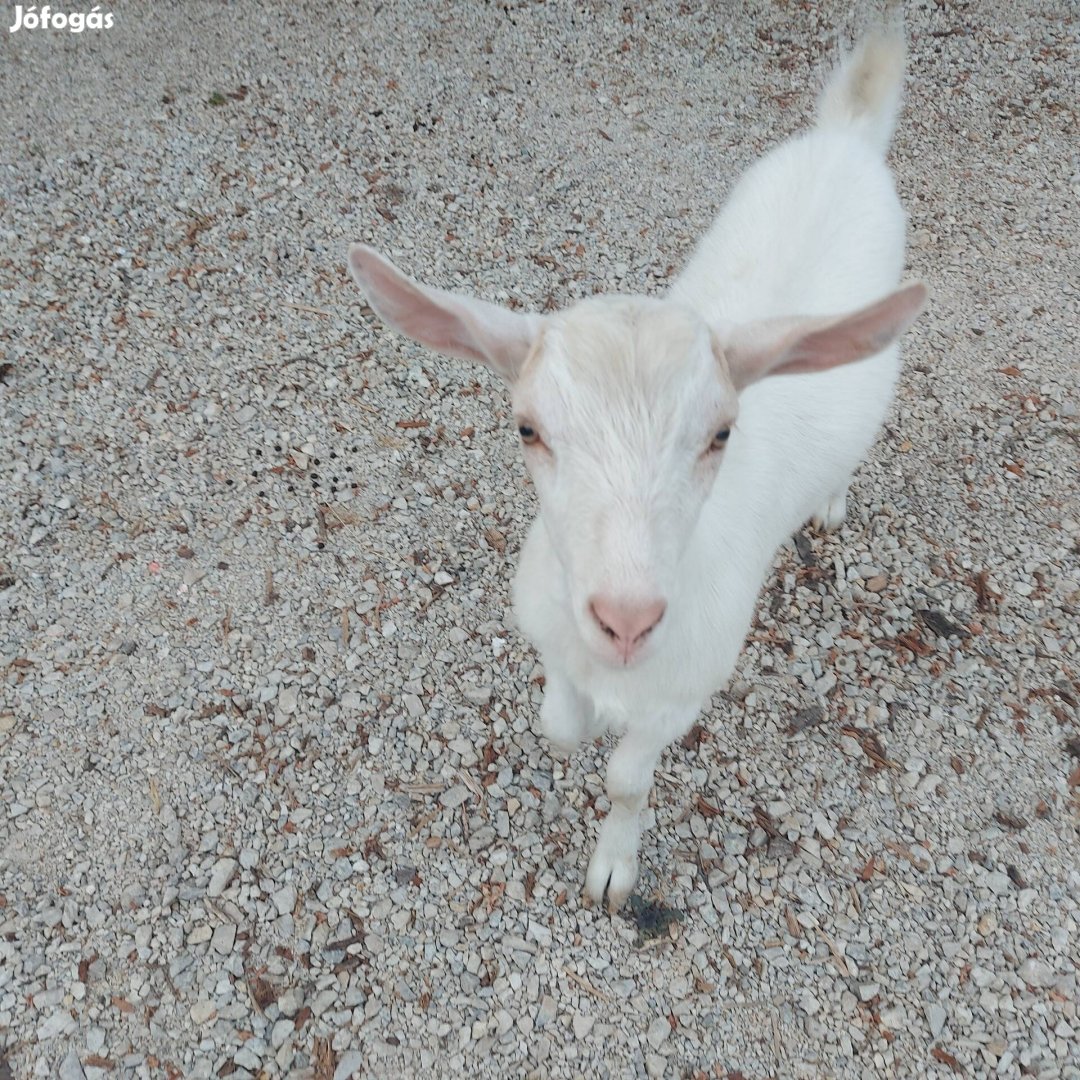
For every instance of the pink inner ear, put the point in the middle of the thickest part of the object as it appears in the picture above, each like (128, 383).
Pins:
(406, 305)
(859, 335)
(444, 321)
(799, 345)
(831, 347)
(418, 316)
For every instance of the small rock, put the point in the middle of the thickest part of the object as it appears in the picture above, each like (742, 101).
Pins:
(658, 1032)
(282, 1030)
(349, 1065)
(1037, 973)
(285, 899)
(547, 1011)
(655, 1066)
(323, 1000)
(220, 876)
(810, 717)
(935, 1018)
(539, 933)
(200, 935)
(224, 938)
(59, 1023)
(482, 838)
(454, 797)
(246, 1058)
(291, 1002)
(735, 843)
(71, 1068)
(202, 1011)
(893, 1017)
(48, 999)
(583, 1025)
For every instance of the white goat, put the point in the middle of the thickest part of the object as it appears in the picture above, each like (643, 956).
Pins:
(659, 514)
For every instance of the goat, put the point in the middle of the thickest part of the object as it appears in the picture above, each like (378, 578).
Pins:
(670, 457)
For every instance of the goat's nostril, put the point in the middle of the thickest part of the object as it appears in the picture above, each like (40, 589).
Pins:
(601, 622)
(626, 622)
(655, 611)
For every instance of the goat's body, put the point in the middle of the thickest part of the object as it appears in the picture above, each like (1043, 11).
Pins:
(798, 437)
(669, 463)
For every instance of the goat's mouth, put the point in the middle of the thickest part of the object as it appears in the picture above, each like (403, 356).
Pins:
(615, 658)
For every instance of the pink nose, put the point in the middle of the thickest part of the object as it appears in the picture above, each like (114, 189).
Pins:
(627, 623)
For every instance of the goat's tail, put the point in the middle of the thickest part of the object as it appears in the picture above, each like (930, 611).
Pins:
(863, 93)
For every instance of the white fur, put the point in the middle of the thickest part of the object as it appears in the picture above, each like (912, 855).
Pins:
(626, 394)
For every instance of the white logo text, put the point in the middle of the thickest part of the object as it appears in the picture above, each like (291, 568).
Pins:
(47, 19)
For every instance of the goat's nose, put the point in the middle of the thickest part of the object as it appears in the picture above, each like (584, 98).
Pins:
(626, 622)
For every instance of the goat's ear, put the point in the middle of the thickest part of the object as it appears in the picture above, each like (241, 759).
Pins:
(446, 322)
(796, 345)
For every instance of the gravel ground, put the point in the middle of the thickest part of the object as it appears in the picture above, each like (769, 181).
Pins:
(272, 805)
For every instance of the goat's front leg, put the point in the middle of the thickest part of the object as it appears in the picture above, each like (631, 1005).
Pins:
(614, 865)
(831, 516)
(565, 715)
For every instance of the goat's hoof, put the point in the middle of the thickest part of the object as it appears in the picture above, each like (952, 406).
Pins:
(613, 876)
(832, 514)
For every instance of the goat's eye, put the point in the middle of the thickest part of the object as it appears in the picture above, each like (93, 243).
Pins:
(529, 435)
(720, 439)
